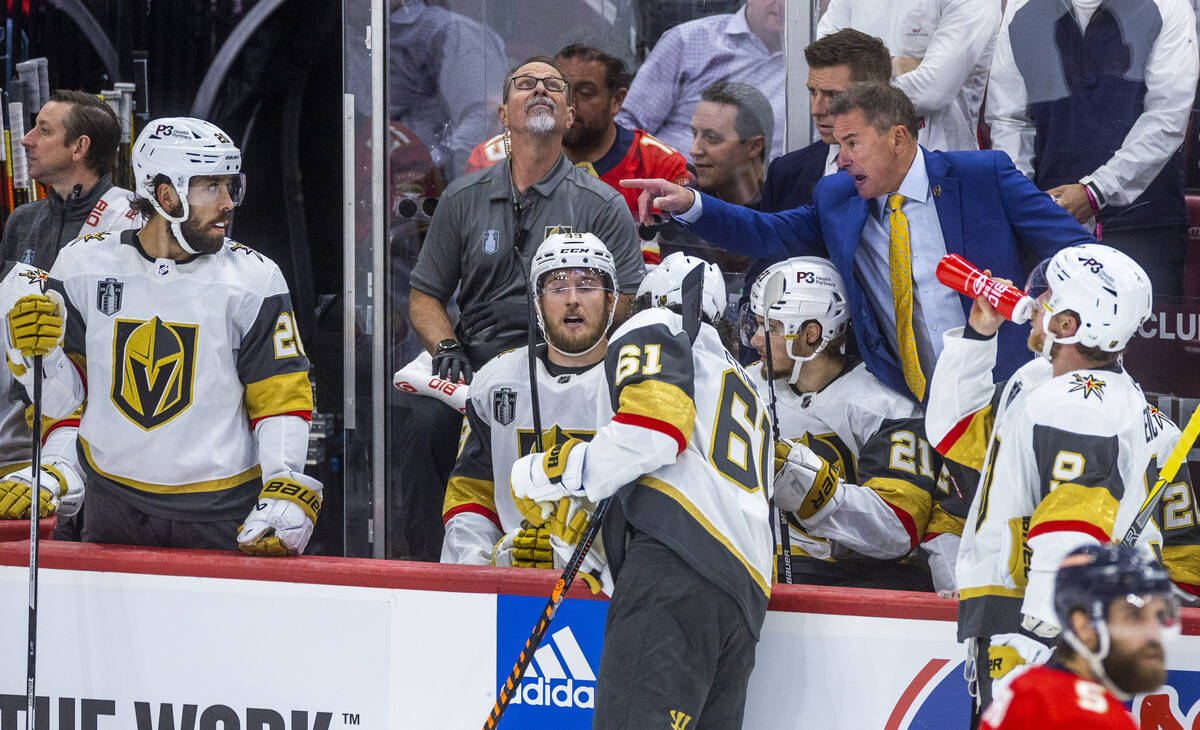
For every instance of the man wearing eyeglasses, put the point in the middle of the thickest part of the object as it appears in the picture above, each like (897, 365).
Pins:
(484, 232)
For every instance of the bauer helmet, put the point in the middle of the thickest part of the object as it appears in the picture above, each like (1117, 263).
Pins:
(562, 252)
(812, 291)
(1091, 578)
(181, 148)
(664, 285)
(1109, 292)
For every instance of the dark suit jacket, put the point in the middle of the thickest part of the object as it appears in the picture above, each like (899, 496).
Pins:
(791, 178)
(990, 214)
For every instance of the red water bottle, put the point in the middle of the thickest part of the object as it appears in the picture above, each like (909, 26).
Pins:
(960, 275)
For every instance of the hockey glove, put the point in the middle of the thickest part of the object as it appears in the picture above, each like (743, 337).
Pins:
(504, 316)
(804, 482)
(524, 547)
(1006, 652)
(283, 520)
(547, 477)
(35, 324)
(61, 491)
(567, 520)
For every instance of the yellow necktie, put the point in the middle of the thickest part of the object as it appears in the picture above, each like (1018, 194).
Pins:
(900, 264)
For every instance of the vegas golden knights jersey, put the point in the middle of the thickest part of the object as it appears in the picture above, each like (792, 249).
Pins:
(1068, 458)
(181, 360)
(16, 280)
(877, 438)
(479, 508)
(688, 453)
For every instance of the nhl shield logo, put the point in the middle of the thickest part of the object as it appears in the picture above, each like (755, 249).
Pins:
(504, 406)
(491, 241)
(108, 295)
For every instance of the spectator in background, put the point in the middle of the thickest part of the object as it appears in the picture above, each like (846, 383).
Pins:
(1092, 101)
(744, 46)
(444, 69)
(941, 53)
(72, 145)
(595, 142)
(485, 229)
(887, 222)
(732, 128)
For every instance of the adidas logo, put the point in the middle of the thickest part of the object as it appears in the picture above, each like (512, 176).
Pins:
(550, 684)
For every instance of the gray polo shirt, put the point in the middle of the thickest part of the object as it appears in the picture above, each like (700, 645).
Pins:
(471, 238)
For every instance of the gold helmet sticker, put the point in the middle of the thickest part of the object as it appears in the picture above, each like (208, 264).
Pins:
(154, 365)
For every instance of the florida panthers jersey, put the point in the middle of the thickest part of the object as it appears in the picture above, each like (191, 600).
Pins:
(877, 438)
(479, 507)
(1064, 461)
(688, 453)
(1048, 697)
(180, 361)
(18, 280)
(635, 153)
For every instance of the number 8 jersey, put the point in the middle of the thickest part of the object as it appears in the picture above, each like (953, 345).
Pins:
(180, 361)
(687, 452)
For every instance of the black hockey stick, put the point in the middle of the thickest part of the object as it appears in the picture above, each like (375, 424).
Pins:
(34, 501)
(1168, 472)
(772, 293)
(531, 340)
(513, 682)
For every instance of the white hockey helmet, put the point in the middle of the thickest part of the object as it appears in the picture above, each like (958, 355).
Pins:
(664, 284)
(813, 290)
(572, 251)
(1108, 290)
(181, 148)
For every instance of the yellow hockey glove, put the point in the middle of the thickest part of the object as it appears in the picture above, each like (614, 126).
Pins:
(35, 324)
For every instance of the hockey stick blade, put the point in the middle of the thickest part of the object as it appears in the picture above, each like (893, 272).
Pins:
(1168, 472)
(513, 683)
(691, 296)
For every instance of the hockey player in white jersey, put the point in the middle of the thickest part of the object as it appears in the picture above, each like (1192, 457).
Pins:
(575, 283)
(687, 455)
(61, 482)
(867, 490)
(185, 344)
(1066, 448)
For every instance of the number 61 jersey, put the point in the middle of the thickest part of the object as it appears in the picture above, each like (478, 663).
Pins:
(180, 361)
(693, 436)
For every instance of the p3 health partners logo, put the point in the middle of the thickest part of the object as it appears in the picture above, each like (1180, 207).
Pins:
(559, 687)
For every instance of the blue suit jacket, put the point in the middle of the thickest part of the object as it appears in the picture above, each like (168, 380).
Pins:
(990, 214)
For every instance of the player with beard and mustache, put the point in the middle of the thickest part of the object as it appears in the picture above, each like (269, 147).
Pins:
(1116, 608)
(196, 433)
(594, 142)
(574, 280)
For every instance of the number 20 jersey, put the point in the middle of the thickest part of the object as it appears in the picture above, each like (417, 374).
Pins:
(182, 359)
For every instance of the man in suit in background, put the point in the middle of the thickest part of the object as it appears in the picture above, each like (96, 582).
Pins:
(886, 224)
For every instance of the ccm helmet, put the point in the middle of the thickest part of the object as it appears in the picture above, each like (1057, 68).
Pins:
(812, 291)
(1109, 292)
(664, 285)
(181, 148)
(572, 251)
(1094, 576)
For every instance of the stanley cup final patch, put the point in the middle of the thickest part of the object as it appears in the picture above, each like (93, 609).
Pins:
(504, 406)
(491, 241)
(108, 295)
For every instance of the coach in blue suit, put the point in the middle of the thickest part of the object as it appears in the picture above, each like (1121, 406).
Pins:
(975, 204)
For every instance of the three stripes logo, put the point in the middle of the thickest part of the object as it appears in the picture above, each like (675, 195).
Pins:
(559, 675)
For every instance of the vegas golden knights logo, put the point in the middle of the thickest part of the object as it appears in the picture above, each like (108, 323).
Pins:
(153, 369)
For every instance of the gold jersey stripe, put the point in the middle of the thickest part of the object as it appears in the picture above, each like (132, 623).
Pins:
(966, 443)
(698, 516)
(212, 485)
(661, 402)
(906, 496)
(943, 523)
(1070, 502)
(286, 393)
(999, 591)
(1182, 563)
(465, 490)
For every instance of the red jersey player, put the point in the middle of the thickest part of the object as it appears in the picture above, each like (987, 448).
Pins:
(1114, 605)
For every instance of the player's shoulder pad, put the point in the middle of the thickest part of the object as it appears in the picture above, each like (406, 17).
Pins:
(868, 394)
(1085, 401)
(28, 279)
(510, 366)
(240, 248)
(94, 238)
(655, 316)
(254, 271)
